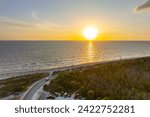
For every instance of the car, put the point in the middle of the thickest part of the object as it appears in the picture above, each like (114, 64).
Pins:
(47, 79)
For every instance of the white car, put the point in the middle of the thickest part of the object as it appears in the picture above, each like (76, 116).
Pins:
(47, 78)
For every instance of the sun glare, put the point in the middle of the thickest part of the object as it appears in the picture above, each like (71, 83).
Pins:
(90, 33)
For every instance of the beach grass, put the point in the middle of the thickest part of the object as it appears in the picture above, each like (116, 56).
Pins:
(19, 84)
(116, 80)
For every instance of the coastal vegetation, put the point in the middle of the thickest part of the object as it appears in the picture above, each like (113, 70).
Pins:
(116, 80)
(19, 84)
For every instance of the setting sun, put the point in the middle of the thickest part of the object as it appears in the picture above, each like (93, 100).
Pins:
(90, 33)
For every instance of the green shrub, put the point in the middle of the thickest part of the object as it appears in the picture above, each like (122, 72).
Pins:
(16, 85)
(126, 79)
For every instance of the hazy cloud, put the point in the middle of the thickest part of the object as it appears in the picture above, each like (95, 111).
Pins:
(144, 6)
(46, 23)
(14, 22)
(38, 23)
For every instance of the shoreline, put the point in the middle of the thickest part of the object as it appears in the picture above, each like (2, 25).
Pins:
(80, 67)
(70, 67)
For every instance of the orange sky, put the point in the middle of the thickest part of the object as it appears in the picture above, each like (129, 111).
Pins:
(38, 20)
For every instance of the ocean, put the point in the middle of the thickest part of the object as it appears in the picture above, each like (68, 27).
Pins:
(24, 56)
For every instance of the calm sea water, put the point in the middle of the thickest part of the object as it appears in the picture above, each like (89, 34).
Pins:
(22, 56)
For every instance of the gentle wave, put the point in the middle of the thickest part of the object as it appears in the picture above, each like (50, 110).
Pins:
(18, 56)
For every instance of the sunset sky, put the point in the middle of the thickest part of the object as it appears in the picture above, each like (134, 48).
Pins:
(66, 19)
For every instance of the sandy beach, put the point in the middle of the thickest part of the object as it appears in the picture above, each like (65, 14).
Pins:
(8, 75)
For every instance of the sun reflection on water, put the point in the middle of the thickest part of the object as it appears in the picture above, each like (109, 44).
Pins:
(90, 52)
